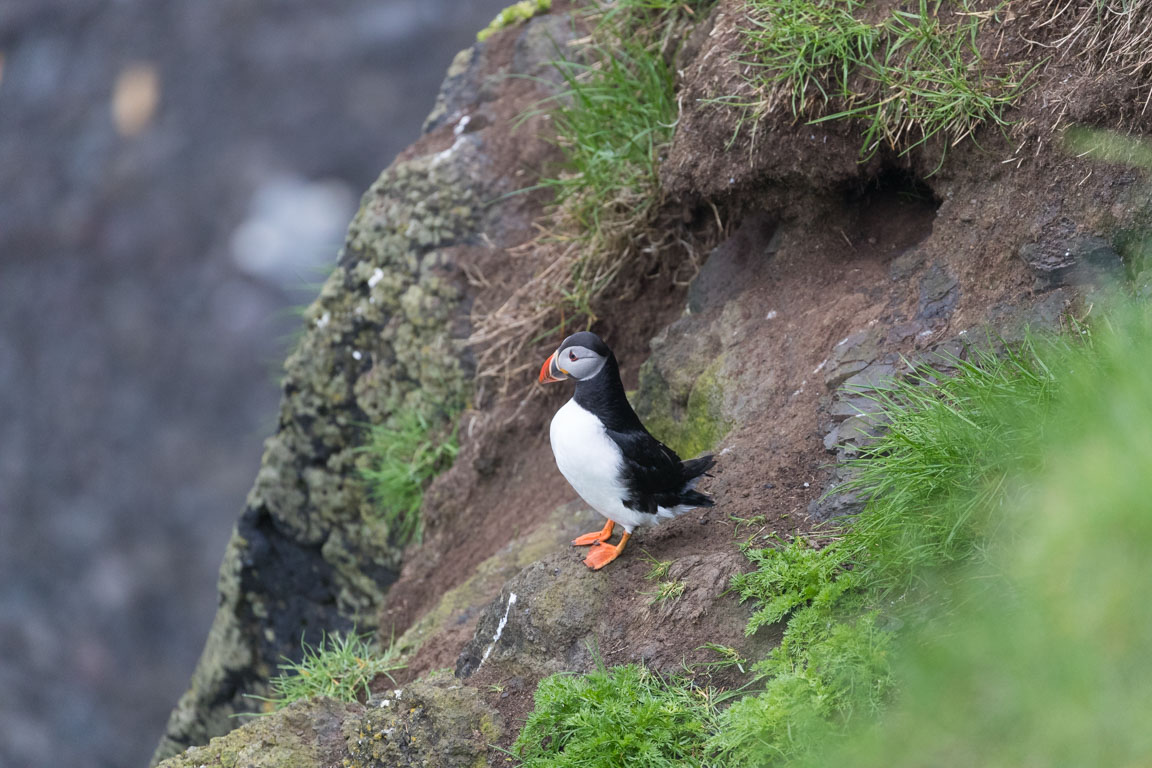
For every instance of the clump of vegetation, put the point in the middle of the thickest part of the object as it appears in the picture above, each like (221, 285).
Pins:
(626, 715)
(405, 453)
(1037, 655)
(1000, 543)
(938, 486)
(665, 591)
(340, 667)
(915, 75)
(613, 119)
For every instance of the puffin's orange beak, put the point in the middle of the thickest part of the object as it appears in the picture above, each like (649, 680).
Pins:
(549, 372)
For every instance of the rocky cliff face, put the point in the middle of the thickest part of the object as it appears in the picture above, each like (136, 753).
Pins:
(829, 275)
(311, 553)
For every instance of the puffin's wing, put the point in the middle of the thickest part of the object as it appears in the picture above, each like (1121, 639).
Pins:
(651, 471)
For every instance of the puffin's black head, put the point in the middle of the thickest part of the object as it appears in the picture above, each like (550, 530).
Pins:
(580, 357)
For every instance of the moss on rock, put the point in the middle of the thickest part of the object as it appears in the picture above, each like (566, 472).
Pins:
(565, 522)
(688, 419)
(514, 14)
(435, 721)
(310, 552)
(303, 735)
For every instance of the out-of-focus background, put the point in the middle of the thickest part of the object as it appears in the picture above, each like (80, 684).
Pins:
(174, 176)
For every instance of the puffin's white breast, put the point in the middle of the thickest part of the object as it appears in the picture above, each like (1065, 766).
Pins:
(590, 462)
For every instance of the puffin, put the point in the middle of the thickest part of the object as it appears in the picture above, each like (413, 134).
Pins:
(606, 454)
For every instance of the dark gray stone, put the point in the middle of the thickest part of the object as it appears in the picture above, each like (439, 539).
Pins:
(835, 505)
(852, 355)
(735, 264)
(846, 406)
(544, 40)
(875, 376)
(1083, 261)
(906, 264)
(939, 292)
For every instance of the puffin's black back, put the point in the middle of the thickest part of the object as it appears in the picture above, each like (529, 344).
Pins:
(653, 473)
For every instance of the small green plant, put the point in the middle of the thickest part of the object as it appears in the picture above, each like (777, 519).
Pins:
(758, 521)
(788, 577)
(726, 657)
(406, 452)
(340, 667)
(626, 715)
(659, 568)
(666, 591)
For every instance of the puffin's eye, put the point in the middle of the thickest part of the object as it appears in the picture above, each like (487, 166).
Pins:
(572, 356)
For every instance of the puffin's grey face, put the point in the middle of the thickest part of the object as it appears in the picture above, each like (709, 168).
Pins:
(573, 361)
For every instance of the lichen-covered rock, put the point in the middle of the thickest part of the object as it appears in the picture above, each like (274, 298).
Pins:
(305, 734)
(461, 603)
(681, 396)
(541, 622)
(432, 722)
(311, 551)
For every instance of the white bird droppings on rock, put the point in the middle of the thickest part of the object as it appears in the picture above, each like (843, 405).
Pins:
(500, 627)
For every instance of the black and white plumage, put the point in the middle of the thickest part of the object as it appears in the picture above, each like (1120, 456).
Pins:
(606, 454)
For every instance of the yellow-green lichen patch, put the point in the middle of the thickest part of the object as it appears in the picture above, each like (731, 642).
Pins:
(514, 14)
(302, 735)
(689, 420)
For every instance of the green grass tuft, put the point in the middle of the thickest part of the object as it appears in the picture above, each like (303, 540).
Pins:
(916, 75)
(939, 478)
(1037, 651)
(614, 717)
(340, 667)
(614, 118)
(406, 452)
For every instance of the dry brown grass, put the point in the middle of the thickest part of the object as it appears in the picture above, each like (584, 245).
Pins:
(614, 121)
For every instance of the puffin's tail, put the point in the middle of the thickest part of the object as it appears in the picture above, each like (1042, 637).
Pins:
(694, 469)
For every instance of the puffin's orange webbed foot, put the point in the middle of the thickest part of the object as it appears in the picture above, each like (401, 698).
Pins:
(602, 553)
(595, 537)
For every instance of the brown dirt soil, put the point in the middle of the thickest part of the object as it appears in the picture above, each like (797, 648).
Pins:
(809, 263)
